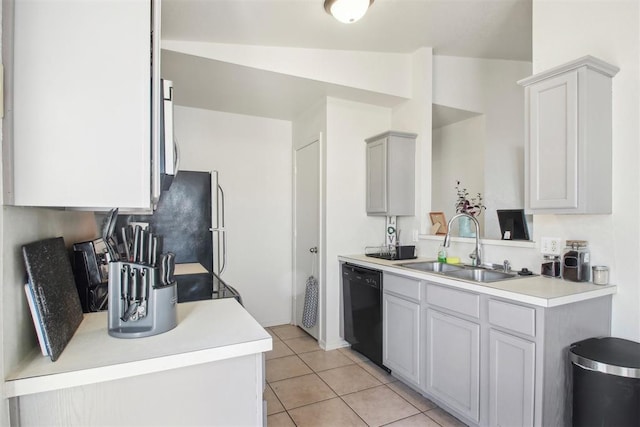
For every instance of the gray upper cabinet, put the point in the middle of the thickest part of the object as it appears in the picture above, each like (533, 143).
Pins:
(78, 127)
(391, 174)
(568, 160)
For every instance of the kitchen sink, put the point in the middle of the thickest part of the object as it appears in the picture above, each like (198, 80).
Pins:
(433, 266)
(460, 271)
(481, 275)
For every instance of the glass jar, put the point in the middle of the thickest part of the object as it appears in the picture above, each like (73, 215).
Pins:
(550, 266)
(600, 275)
(575, 261)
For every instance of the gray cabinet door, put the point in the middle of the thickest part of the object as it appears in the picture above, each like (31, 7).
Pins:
(511, 380)
(391, 174)
(453, 359)
(400, 338)
(377, 177)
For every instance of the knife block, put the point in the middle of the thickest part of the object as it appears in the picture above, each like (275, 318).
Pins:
(160, 314)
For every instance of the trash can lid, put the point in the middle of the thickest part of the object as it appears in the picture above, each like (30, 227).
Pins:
(610, 355)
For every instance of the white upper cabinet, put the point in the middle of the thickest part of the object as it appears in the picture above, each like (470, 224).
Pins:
(391, 174)
(79, 132)
(568, 138)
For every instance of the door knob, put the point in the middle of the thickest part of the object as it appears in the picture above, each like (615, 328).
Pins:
(314, 250)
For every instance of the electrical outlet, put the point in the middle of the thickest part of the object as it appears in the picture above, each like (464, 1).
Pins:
(414, 235)
(550, 245)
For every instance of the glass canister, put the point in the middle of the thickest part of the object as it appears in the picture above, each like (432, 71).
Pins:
(600, 275)
(550, 266)
(575, 261)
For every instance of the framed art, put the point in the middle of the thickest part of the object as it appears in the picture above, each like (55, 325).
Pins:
(513, 225)
(439, 223)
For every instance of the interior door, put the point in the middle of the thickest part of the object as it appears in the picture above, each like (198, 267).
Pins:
(306, 228)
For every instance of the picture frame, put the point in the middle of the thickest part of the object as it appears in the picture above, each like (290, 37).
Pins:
(439, 222)
(513, 224)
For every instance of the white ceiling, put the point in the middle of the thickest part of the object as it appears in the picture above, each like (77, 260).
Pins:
(497, 29)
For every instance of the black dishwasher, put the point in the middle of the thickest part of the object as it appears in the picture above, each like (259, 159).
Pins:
(362, 299)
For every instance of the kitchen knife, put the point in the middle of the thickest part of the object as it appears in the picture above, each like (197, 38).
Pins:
(125, 241)
(136, 242)
(154, 251)
(144, 292)
(124, 291)
(171, 266)
(149, 239)
(135, 285)
(163, 270)
(143, 247)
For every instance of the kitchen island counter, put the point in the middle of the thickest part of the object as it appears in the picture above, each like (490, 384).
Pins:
(216, 348)
(535, 290)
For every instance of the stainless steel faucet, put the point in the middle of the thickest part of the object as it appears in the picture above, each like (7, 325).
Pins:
(477, 260)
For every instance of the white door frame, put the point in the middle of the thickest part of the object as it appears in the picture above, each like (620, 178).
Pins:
(321, 241)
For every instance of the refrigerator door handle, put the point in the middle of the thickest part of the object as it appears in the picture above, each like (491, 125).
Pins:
(221, 191)
(224, 252)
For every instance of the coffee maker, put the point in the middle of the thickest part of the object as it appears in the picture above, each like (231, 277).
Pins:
(91, 271)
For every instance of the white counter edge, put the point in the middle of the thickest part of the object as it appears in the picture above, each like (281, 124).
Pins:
(487, 290)
(24, 386)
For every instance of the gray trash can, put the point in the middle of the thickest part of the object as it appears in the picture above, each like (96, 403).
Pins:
(606, 382)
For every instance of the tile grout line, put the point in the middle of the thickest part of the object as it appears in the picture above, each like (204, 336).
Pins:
(354, 362)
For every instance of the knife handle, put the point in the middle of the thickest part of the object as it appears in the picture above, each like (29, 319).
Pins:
(134, 284)
(136, 243)
(124, 282)
(143, 247)
(144, 291)
(171, 267)
(153, 260)
(125, 243)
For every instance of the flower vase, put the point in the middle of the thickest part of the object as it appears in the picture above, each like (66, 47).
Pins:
(466, 228)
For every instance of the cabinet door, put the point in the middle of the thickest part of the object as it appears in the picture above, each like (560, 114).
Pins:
(553, 143)
(511, 380)
(400, 338)
(453, 359)
(82, 99)
(377, 176)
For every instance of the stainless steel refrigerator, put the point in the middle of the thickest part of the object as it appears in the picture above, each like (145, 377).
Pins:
(190, 220)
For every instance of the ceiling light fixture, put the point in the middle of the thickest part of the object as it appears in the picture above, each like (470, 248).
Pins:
(347, 11)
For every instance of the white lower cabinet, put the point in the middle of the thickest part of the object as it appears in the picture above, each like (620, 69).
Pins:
(453, 362)
(401, 333)
(401, 337)
(511, 380)
(489, 361)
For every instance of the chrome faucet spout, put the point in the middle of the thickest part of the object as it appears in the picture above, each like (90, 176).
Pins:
(447, 237)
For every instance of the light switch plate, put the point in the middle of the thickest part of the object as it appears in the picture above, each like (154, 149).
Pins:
(550, 245)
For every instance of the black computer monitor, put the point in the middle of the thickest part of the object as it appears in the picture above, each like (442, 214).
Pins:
(513, 225)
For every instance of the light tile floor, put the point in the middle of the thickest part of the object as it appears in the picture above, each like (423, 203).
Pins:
(307, 386)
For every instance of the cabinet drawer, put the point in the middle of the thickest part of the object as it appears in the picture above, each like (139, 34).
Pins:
(403, 286)
(454, 300)
(513, 317)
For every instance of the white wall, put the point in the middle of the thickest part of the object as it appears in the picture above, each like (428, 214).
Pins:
(488, 86)
(458, 155)
(382, 72)
(348, 228)
(21, 226)
(609, 30)
(415, 116)
(253, 156)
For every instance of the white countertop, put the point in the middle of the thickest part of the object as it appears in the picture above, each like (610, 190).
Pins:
(536, 290)
(207, 331)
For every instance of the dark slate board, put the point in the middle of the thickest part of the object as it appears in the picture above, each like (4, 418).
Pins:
(54, 289)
